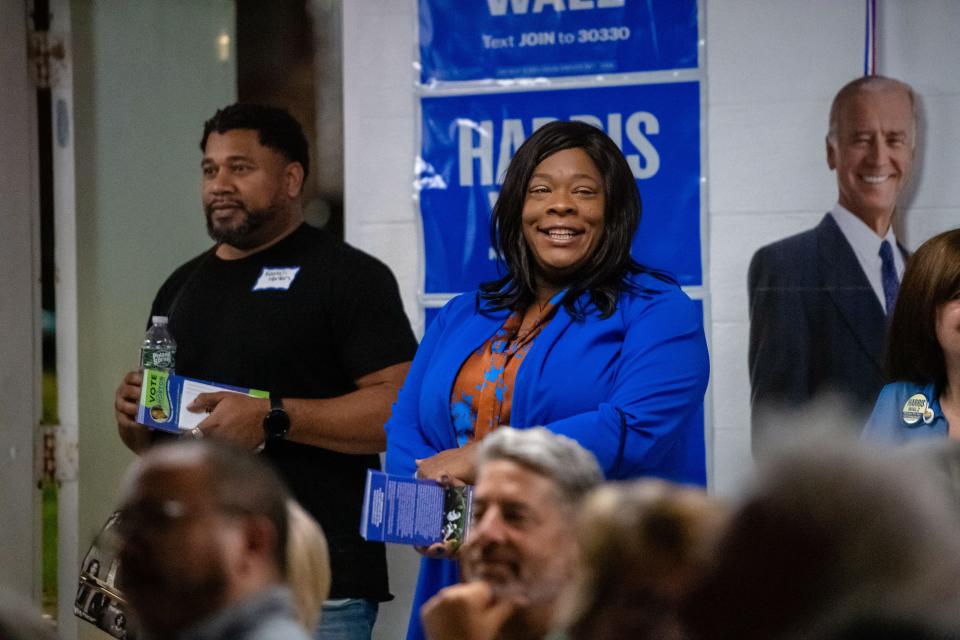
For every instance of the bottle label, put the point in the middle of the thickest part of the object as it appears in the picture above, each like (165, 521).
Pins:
(156, 396)
(160, 359)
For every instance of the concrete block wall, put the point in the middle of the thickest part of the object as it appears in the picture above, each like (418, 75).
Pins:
(917, 44)
(380, 124)
(773, 67)
(380, 215)
(772, 71)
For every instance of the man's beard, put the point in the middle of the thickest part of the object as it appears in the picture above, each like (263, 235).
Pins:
(242, 234)
(510, 576)
(500, 567)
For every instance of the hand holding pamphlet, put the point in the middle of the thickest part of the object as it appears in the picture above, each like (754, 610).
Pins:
(415, 512)
(165, 396)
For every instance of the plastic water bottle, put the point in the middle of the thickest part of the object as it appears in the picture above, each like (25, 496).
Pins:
(159, 350)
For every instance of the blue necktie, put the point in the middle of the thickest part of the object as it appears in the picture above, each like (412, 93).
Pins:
(888, 271)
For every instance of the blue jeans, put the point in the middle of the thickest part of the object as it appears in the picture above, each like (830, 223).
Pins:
(348, 619)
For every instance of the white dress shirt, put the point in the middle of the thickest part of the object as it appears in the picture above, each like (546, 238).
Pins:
(866, 245)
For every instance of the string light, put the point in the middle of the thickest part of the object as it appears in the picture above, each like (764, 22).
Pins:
(870, 39)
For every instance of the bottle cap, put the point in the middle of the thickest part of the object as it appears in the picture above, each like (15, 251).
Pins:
(159, 319)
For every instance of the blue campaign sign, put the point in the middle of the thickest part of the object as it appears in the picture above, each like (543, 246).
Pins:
(478, 39)
(468, 141)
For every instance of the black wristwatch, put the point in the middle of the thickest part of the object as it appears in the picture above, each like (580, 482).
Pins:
(276, 424)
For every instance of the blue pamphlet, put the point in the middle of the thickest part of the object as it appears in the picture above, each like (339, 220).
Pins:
(411, 511)
(164, 398)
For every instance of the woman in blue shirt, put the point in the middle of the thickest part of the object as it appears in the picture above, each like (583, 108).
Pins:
(923, 349)
(576, 336)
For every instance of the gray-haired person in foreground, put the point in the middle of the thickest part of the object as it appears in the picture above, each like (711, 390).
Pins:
(520, 551)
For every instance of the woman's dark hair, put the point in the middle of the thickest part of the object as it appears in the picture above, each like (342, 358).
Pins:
(931, 279)
(275, 127)
(604, 272)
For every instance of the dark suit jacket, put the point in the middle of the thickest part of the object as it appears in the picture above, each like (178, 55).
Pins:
(815, 326)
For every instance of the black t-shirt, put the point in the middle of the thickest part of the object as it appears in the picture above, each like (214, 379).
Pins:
(309, 334)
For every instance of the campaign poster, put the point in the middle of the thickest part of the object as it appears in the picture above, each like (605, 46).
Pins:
(495, 39)
(467, 141)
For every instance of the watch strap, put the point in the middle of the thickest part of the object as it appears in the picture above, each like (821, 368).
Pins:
(276, 424)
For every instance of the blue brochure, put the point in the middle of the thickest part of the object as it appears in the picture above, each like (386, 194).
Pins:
(164, 398)
(418, 512)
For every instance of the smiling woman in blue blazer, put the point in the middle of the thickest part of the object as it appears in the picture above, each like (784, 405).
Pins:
(923, 349)
(576, 336)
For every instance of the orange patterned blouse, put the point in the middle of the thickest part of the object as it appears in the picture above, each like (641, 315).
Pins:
(483, 391)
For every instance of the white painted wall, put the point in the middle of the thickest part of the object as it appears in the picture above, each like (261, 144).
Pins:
(918, 44)
(773, 67)
(379, 46)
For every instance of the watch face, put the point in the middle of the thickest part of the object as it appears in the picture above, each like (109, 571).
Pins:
(277, 423)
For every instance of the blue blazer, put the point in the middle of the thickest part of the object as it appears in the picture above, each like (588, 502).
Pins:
(628, 387)
(816, 325)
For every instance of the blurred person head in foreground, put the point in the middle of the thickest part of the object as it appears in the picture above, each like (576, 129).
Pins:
(643, 545)
(832, 539)
(941, 458)
(202, 542)
(308, 565)
(521, 548)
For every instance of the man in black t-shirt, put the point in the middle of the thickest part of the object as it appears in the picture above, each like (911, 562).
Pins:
(280, 306)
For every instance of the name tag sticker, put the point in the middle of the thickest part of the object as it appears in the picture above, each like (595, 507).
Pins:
(276, 278)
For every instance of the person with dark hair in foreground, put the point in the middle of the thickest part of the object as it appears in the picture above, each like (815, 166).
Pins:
(923, 351)
(202, 545)
(820, 300)
(831, 543)
(521, 549)
(280, 306)
(576, 336)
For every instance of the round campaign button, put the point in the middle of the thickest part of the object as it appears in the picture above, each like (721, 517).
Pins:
(928, 415)
(915, 408)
